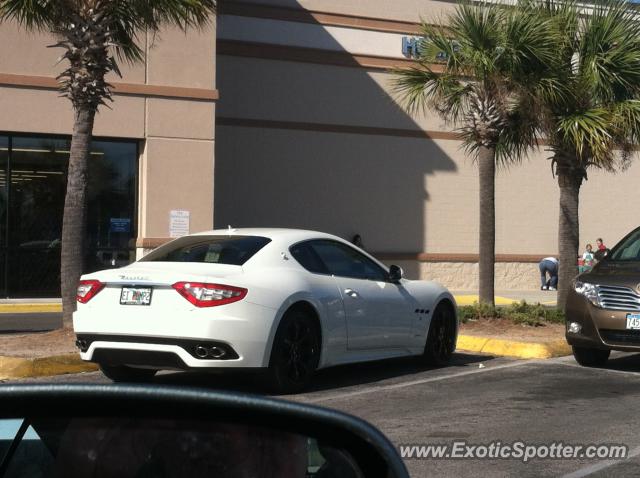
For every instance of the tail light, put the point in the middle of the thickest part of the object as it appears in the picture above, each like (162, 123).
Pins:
(209, 295)
(87, 289)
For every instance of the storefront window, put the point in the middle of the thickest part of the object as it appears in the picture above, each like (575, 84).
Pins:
(36, 172)
(111, 213)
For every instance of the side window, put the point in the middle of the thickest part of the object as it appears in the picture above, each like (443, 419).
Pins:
(342, 260)
(629, 250)
(307, 258)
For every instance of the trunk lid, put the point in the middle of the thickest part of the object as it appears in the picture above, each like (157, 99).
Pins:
(165, 273)
(143, 291)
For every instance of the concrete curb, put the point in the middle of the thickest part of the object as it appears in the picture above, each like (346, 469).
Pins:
(510, 348)
(22, 308)
(18, 367)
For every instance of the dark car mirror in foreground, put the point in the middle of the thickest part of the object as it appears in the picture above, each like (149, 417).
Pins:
(146, 431)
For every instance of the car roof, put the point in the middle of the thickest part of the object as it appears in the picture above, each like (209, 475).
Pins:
(280, 237)
(270, 233)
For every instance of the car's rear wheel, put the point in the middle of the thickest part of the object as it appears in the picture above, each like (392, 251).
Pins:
(296, 352)
(441, 339)
(122, 373)
(591, 357)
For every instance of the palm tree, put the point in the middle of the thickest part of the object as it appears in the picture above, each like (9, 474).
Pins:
(91, 32)
(493, 58)
(595, 122)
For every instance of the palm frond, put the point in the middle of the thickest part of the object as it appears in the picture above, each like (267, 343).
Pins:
(33, 14)
(133, 17)
(421, 88)
(589, 132)
(609, 52)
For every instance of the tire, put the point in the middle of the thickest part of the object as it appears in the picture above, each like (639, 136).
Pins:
(122, 373)
(295, 353)
(441, 339)
(590, 357)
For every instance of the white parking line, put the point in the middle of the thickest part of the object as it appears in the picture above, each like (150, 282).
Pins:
(591, 469)
(395, 386)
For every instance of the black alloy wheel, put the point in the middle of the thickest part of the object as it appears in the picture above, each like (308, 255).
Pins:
(441, 339)
(295, 354)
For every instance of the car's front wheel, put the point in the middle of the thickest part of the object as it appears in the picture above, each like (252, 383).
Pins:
(591, 357)
(295, 354)
(122, 373)
(441, 339)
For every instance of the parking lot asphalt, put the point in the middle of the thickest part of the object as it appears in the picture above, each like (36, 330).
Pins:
(30, 321)
(478, 400)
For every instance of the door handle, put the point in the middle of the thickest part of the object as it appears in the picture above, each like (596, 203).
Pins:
(351, 293)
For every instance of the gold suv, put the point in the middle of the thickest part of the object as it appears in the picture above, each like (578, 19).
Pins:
(603, 307)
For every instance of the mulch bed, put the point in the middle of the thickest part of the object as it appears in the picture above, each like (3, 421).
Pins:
(507, 330)
(38, 344)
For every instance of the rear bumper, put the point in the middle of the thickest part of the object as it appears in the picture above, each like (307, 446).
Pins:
(168, 341)
(600, 328)
(167, 356)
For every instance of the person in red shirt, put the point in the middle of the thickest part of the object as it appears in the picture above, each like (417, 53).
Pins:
(602, 250)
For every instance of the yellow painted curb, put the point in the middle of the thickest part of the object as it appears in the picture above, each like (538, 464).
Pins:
(471, 299)
(510, 348)
(33, 308)
(17, 367)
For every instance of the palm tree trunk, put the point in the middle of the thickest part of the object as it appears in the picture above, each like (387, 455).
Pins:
(73, 223)
(487, 240)
(569, 181)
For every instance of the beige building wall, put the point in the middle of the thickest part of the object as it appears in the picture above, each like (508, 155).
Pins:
(406, 10)
(167, 103)
(310, 136)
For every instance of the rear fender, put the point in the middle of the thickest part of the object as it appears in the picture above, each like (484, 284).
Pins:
(332, 334)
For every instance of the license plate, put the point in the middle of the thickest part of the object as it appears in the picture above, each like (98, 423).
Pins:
(633, 321)
(135, 296)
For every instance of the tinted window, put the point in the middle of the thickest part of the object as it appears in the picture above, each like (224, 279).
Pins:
(342, 260)
(307, 257)
(234, 250)
(628, 249)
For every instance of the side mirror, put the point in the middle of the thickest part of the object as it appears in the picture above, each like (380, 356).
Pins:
(79, 431)
(395, 273)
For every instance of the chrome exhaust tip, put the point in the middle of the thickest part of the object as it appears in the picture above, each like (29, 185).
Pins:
(202, 351)
(217, 352)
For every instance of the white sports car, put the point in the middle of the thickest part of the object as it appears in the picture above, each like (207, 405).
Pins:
(282, 300)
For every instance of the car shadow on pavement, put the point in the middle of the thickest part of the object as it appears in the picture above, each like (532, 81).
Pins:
(624, 363)
(332, 378)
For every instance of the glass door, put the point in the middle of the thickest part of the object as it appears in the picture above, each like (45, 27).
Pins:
(38, 184)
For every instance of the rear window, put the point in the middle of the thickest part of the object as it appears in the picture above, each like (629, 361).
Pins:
(232, 250)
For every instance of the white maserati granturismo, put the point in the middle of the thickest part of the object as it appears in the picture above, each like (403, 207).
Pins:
(285, 301)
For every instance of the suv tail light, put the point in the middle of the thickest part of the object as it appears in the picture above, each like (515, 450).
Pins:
(209, 295)
(87, 289)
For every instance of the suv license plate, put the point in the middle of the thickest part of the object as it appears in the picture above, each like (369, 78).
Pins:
(135, 296)
(633, 321)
